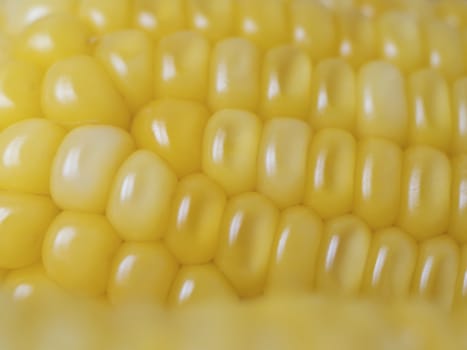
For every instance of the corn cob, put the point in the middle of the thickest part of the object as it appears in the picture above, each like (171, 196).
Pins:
(174, 152)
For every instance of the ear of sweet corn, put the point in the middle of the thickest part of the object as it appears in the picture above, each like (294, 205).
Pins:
(173, 152)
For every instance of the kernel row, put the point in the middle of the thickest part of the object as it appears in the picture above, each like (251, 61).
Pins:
(135, 178)
(260, 251)
(409, 39)
(377, 100)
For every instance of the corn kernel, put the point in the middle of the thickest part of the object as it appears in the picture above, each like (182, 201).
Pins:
(181, 66)
(285, 83)
(382, 104)
(53, 38)
(158, 17)
(174, 130)
(313, 28)
(357, 37)
(200, 283)
(77, 252)
(459, 113)
(28, 284)
(295, 251)
(20, 89)
(246, 237)
(343, 253)
(22, 13)
(282, 160)
(262, 21)
(461, 286)
(430, 121)
(377, 182)
(70, 98)
(391, 265)
(458, 210)
(23, 221)
(128, 59)
(426, 191)
(437, 269)
(331, 165)
(27, 150)
(75, 184)
(444, 46)
(333, 95)
(194, 223)
(230, 148)
(234, 75)
(212, 18)
(103, 16)
(141, 272)
(400, 40)
(140, 197)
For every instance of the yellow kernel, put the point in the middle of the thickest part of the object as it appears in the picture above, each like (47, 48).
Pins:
(437, 269)
(262, 21)
(458, 210)
(20, 91)
(313, 28)
(425, 192)
(234, 75)
(70, 98)
(27, 150)
(19, 14)
(24, 218)
(331, 164)
(333, 95)
(390, 265)
(181, 66)
(382, 102)
(430, 121)
(343, 253)
(295, 251)
(194, 222)
(444, 46)
(400, 40)
(141, 196)
(85, 165)
(174, 130)
(459, 114)
(104, 16)
(246, 237)
(127, 56)
(53, 38)
(377, 182)
(212, 18)
(357, 37)
(77, 252)
(29, 284)
(282, 160)
(461, 286)
(141, 273)
(230, 148)
(196, 284)
(285, 83)
(158, 17)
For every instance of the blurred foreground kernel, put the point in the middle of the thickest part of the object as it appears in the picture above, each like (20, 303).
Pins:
(104, 17)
